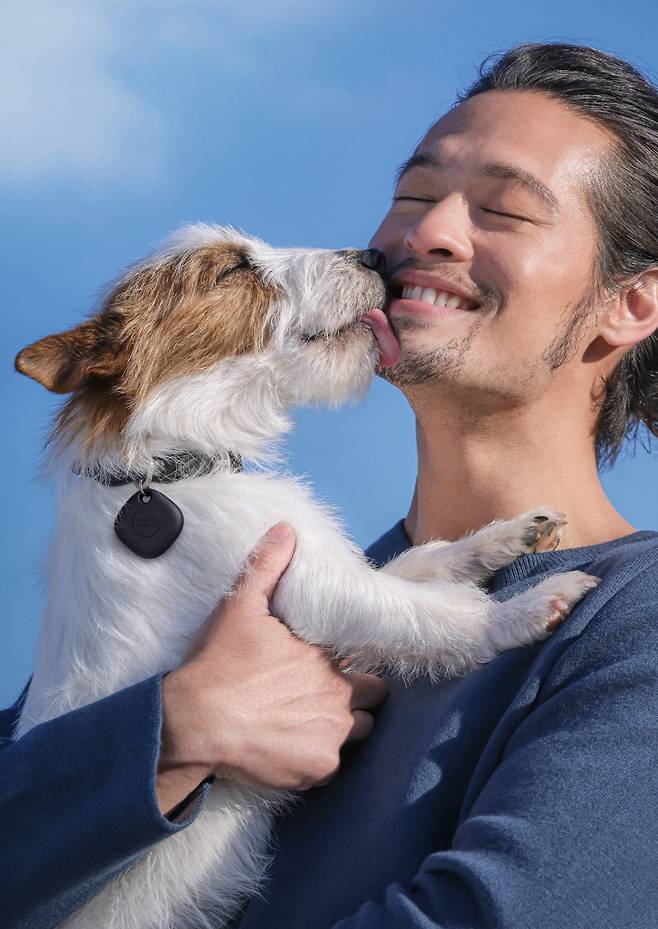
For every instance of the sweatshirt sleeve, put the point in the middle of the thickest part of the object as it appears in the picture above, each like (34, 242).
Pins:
(565, 832)
(78, 803)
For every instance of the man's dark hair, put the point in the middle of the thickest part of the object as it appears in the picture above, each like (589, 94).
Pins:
(623, 198)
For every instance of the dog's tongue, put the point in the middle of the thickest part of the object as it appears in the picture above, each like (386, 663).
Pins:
(389, 347)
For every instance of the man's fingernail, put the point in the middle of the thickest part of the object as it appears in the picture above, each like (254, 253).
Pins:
(279, 532)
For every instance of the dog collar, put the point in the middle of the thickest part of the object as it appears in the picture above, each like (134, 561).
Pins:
(168, 470)
(149, 522)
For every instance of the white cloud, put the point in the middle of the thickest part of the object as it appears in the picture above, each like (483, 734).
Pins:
(67, 108)
(63, 109)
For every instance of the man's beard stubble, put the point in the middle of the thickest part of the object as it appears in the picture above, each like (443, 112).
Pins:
(443, 363)
(565, 343)
(438, 364)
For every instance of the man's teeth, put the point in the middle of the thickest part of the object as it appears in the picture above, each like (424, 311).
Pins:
(433, 297)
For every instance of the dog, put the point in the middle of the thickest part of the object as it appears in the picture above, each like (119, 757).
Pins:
(189, 366)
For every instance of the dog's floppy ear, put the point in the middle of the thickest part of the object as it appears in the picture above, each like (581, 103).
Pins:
(64, 362)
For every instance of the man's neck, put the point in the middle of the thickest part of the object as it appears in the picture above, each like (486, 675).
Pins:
(472, 473)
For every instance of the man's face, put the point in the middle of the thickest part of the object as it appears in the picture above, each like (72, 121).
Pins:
(492, 208)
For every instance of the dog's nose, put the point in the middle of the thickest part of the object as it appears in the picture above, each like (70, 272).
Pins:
(374, 259)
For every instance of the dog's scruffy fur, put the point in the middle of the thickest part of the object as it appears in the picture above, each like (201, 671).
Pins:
(205, 346)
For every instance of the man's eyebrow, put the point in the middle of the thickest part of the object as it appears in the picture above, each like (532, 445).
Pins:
(418, 160)
(524, 179)
(504, 172)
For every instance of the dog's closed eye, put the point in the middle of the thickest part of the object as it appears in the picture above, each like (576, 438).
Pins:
(243, 265)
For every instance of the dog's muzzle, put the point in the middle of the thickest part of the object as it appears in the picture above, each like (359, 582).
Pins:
(373, 259)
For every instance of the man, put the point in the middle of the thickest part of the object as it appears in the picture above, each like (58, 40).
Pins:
(525, 794)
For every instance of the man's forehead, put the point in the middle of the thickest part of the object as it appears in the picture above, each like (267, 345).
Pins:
(526, 131)
(516, 126)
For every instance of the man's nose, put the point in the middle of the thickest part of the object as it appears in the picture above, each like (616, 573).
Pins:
(441, 232)
(374, 259)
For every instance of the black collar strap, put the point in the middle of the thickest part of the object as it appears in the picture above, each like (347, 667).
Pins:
(165, 470)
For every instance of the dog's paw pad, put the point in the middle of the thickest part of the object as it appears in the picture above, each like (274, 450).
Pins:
(543, 532)
(559, 610)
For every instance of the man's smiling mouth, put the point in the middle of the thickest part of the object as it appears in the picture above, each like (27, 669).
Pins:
(432, 290)
(435, 297)
(430, 296)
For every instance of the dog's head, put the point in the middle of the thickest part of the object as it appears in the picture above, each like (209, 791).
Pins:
(211, 324)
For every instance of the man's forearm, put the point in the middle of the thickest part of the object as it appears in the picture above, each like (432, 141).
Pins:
(78, 798)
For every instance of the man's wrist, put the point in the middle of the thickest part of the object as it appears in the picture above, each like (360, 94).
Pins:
(186, 806)
(179, 773)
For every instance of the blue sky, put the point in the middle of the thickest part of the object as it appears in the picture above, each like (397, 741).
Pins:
(287, 118)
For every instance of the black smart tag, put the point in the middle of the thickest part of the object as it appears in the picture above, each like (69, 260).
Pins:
(148, 523)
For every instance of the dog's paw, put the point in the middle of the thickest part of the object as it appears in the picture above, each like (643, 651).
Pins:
(534, 614)
(539, 530)
(563, 591)
(499, 543)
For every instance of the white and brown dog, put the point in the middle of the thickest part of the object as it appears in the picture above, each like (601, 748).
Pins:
(191, 363)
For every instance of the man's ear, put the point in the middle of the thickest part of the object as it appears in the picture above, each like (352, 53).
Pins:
(632, 315)
(63, 362)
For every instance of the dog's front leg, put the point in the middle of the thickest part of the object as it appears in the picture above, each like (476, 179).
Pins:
(435, 627)
(476, 557)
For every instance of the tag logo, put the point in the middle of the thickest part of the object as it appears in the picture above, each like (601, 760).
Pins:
(146, 523)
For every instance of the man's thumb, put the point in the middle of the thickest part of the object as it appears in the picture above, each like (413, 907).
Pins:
(269, 560)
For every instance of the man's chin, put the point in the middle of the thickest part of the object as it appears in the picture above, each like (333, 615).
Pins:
(410, 371)
(423, 363)
(438, 364)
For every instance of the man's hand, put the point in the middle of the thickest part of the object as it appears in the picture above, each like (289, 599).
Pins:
(254, 703)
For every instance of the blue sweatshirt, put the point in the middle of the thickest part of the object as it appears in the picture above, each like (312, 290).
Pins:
(523, 796)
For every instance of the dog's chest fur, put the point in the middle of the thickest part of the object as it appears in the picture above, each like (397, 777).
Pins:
(113, 619)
